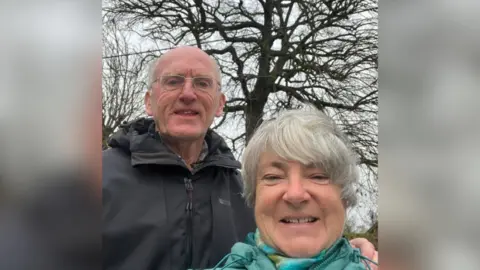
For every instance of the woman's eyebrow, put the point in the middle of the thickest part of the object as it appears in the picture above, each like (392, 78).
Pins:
(272, 164)
(278, 164)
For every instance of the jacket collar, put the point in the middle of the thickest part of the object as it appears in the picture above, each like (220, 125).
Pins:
(146, 147)
(248, 255)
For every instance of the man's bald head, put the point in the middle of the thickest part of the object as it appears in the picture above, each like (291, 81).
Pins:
(179, 52)
(166, 99)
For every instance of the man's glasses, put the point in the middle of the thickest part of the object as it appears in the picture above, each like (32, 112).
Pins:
(177, 82)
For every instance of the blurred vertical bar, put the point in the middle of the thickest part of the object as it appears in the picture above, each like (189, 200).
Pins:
(429, 77)
(50, 134)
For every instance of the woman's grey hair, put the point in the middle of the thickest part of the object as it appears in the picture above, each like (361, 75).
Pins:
(309, 137)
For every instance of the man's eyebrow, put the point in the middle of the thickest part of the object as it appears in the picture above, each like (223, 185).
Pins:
(173, 73)
(205, 75)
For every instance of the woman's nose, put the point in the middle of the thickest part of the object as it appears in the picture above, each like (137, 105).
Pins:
(296, 193)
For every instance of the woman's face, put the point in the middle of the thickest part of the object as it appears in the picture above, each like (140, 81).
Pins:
(297, 209)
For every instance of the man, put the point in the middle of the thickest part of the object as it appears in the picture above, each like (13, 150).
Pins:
(171, 186)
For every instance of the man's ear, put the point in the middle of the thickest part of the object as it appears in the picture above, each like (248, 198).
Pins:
(221, 105)
(148, 103)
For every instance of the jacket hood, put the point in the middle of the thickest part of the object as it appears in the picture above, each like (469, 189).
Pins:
(140, 139)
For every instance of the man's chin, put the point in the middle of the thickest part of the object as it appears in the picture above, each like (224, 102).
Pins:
(187, 134)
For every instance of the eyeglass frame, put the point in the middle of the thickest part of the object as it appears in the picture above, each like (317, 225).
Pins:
(157, 79)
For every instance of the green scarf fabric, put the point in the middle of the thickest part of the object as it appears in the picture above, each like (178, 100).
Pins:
(281, 261)
(254, 254)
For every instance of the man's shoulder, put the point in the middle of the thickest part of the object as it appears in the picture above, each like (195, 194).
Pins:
(114, 157)
(110, 153)
(236, 177)
(115, 163)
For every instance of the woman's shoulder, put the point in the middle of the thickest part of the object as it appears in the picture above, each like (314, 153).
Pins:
(343, 257)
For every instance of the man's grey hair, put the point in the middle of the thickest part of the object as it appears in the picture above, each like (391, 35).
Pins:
(154, 64)
(309, 137)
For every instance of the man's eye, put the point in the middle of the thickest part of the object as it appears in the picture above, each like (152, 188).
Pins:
(203, 83)
(173, 81)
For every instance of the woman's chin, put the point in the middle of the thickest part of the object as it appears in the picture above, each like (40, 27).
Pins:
(302, 249)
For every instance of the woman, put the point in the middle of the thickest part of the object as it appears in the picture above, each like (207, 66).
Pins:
(299, 175)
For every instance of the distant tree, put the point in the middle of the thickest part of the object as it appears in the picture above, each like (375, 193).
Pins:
(123, 80)
(276, 55)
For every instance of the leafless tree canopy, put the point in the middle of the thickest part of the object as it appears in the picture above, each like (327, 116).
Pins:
(123, 84)
(276, 55)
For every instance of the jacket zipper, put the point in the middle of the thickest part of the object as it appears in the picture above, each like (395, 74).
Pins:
(189, 212)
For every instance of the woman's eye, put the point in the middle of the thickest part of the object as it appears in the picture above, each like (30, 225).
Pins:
(320, 178)
(271, 177)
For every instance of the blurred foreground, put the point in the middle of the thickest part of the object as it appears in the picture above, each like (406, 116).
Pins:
(50, 121)
(429, 130)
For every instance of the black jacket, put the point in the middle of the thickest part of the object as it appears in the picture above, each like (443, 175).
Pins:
(151, 221)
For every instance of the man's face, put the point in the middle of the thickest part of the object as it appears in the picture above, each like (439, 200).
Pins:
(185, 111)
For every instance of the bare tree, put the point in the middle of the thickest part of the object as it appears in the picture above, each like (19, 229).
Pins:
(276, 55)
(123, 82)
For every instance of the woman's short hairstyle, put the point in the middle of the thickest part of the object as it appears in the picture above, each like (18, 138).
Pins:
(309, 137)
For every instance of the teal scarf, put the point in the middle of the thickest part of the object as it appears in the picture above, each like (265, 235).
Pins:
(283, 262)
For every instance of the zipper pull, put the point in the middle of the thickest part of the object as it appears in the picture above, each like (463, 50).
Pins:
(189, 206)
(188, 184)
(189, 189)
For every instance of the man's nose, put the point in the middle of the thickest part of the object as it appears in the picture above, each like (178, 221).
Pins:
(296, 193)
(187, 93)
